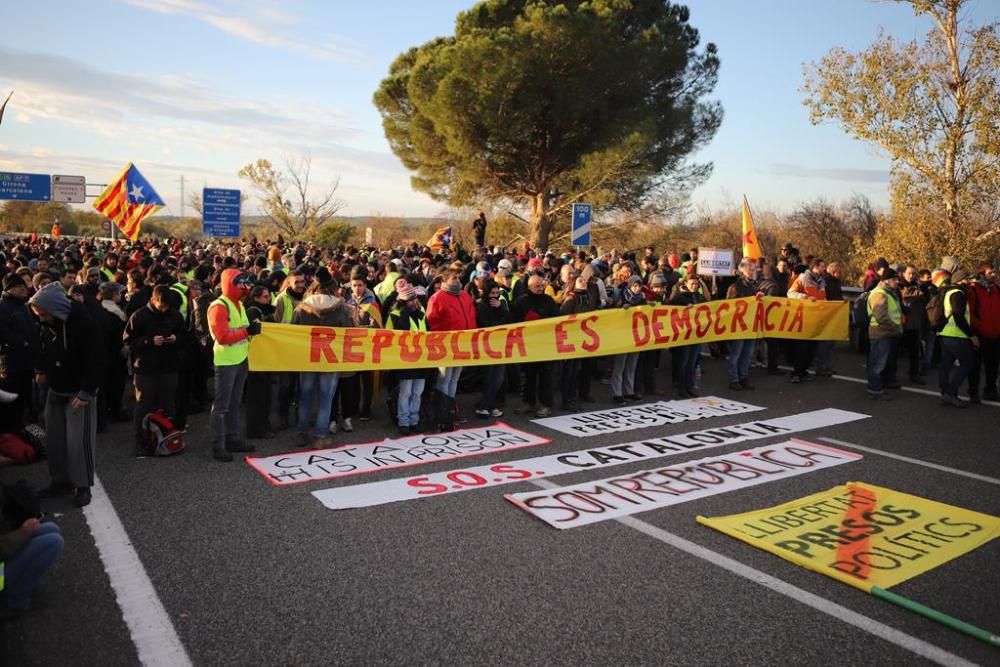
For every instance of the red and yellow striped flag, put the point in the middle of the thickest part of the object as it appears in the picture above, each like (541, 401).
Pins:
(128, 200)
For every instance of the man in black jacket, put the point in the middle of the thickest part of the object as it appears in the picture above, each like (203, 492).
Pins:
(535, 305)
(155, 334)
(71, 364)
(19, 348)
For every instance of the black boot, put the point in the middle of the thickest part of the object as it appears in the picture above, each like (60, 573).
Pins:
(441, 411)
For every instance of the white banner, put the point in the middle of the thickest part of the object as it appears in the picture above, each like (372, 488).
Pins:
(590, 502)
(481, 477)
(311, 465)
(715, 262)
(661, 413)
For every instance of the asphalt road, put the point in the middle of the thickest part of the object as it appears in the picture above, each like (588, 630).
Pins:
(250, 573)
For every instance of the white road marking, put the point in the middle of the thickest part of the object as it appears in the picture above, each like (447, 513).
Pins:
(912, 390)
(154, 636)
(882, 631)
(926, 464)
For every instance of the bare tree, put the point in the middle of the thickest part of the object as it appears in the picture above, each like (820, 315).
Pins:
(286, 198)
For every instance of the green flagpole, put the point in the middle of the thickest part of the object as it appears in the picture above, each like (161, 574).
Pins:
(934, 615)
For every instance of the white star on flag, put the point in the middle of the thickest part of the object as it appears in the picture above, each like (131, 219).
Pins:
(136, 193)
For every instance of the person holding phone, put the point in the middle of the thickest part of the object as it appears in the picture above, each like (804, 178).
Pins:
(155, 335)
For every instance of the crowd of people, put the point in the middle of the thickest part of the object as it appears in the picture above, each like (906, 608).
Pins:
(83, 319)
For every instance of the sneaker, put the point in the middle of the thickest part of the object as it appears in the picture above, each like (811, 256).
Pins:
(82, 497)
(7, 396)
(543, 411)
(365, 417)
(735, 386)
(746, 384)
(482, 413)
(333, 428)
(893, 385)
(54, 490)
(496, 413)
(346, 426)
(222, 455)
(404, 430)
(796, 379)
(322, 443)
(955, 401)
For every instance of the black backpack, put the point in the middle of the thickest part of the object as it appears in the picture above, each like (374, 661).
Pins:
(859, 310)
(935, 309)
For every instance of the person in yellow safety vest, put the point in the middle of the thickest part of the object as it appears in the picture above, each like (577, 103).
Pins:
(231, 330)
(181, 301)
(110, 267)
(289, 297)
(957, 340)
(26, 553)
(408, 316)
(885, 327)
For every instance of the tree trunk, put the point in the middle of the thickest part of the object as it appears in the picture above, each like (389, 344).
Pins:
(541, 223)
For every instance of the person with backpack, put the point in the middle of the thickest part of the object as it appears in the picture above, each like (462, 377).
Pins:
(958, 340)
(154, 336)
(885, 326)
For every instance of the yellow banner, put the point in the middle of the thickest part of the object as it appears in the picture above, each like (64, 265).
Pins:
(287, 347)
(862, 535)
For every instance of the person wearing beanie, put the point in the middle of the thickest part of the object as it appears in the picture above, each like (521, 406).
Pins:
(885, 327)
(408, 315)
(958, 341)
(72, 368)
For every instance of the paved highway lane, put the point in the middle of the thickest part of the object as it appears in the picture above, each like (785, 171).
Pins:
(248, 572)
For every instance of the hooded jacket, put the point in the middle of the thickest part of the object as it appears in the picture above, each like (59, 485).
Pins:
(322, 310)
(984, 305)
(218, 313)
(450, 312)
(144, 325)
(72, 351)
(18, 337)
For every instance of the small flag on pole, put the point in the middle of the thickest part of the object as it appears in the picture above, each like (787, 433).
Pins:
(128, 200)
(751, 246)
(441, 238)
(3, 107)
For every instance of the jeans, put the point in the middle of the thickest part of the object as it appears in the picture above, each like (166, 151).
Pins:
(950, 376)
(408, 402)
(447, 382)
(824, 349)
(538, 383)
(686, 361)
(224, 422)
(928, 335)
(24, 569)
(740, 356)
(623, 374)
(879, 351)
(325, 386)
(493, 378)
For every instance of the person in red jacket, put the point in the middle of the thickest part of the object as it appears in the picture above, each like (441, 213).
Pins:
(984, 306)
(449, 309)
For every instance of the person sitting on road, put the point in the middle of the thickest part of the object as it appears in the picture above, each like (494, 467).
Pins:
(26, 553)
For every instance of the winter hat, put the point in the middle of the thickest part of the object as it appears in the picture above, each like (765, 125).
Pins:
(633, 280)
(657, 280)
(959, 276)
(889, 273)
(949, 263)
(406, 293)
(505, 264)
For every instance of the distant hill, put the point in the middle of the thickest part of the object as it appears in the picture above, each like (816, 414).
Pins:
(361, 221)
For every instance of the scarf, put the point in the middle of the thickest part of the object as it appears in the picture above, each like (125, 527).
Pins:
(114, 309)
(454, 291)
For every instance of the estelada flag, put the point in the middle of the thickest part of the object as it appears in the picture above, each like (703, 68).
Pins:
(862, 535)
(751, 246)
(128, 200)
(441, 238)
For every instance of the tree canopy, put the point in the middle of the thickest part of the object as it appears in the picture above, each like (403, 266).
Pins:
(544, 103)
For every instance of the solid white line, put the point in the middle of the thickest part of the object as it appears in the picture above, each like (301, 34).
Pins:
(154, 636)
(913, 390)
(926, 464)
(840, 613)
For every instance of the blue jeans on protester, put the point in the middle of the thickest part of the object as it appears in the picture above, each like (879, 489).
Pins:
(950, 376)
(325, 386)
(24, 570)
(684, 372)
(408, 402)
(879, 351)
(740, 356)
(447, 382)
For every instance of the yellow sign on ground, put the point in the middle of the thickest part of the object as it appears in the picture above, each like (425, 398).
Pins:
(287, 347)
(862, 535)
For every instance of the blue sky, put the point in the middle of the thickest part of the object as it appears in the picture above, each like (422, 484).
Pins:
(202, 87)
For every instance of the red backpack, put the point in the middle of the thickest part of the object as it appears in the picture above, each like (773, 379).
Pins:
(161, 436)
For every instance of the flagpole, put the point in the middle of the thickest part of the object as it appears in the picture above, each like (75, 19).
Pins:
(935, 615)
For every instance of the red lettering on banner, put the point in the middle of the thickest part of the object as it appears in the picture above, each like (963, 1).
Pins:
(720, 309)
(681, 319)
(561, 345)
(515, 338)
(321, 345)
(640, 328)
(797, 319)
(767, 315)
(456, 352)
(595, 340)
(409, 352)
(487, 350)
(475, 342)
(435, 346)
(739, 317)
(657, 325)
(380, 341)
(352, 340)
(706, 310)
(759, 320)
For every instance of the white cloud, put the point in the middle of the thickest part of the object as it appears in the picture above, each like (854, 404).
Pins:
(264, 23)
